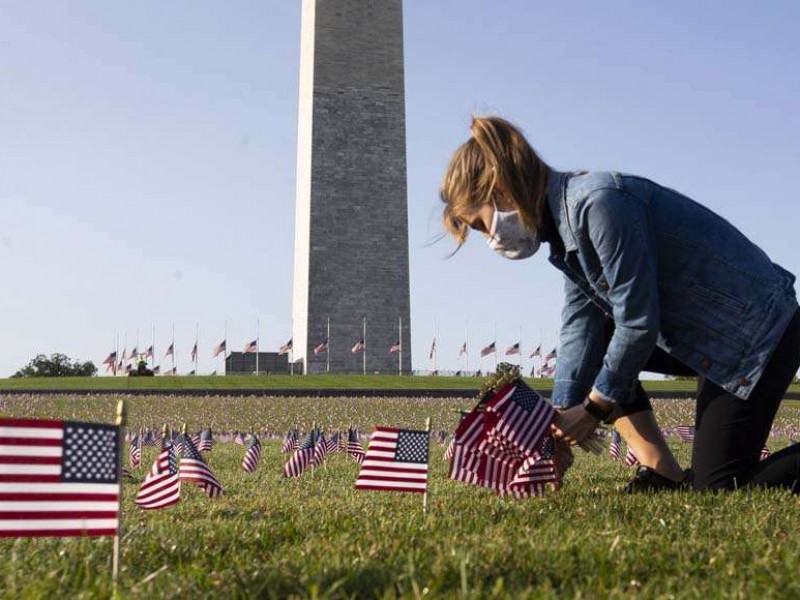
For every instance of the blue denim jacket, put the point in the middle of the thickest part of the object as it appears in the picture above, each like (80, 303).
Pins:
(671, 273)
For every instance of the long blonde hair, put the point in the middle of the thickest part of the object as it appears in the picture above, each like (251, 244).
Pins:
(495, 159)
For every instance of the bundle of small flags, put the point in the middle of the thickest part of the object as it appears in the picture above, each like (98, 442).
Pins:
(505, 443)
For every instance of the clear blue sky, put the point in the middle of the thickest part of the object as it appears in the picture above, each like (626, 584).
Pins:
(148, 155)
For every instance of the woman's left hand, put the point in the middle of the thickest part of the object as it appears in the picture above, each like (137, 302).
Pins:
(574, 425)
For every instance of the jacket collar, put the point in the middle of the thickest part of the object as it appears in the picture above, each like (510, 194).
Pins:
(557, 202)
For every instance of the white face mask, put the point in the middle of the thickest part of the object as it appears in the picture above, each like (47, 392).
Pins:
(510, 238)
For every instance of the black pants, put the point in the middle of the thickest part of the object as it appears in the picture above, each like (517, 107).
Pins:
(730, 432)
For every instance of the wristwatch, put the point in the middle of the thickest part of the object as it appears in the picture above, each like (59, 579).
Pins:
(596, 410)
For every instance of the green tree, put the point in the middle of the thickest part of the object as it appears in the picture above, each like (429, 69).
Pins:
(57, 365)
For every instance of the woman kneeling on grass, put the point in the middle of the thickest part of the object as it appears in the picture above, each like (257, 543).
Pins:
(653, 281)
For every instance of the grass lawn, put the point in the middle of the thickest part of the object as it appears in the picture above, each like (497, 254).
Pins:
(316, 537)
(286, 382)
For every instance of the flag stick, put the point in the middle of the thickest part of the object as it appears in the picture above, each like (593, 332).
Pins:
(115, 560)
(425, 495)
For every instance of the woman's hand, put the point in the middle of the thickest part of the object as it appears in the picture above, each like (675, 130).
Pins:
(574, 425)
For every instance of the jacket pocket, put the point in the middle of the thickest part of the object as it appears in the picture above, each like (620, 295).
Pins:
(717, 297)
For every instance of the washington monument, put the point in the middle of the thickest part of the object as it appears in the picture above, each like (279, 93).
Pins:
(351, 281)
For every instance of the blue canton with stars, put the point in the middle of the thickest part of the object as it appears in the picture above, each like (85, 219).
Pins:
(412, 446)
(90, 453)
(526, 397)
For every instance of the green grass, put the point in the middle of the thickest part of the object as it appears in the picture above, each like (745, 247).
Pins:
(297, 382)
(316, 537)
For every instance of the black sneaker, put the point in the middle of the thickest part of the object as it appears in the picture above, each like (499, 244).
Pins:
(647, 480)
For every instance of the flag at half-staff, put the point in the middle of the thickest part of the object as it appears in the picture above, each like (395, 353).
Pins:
(396, 460)
(193, 469)
(58, 478)
(162, 486)
(252, 455)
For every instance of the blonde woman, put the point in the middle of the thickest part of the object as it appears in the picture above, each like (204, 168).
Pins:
(652, 281)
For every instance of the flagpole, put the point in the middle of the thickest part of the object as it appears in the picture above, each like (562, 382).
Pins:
(125, 351)
(425, 495)
(121, 433)
(467, 353)
(520, 348)
(225, 349)
(495, 346)
(328, 348)
(173, 350)
(364, 349)
(435, 358)
(258, 335)
(196, 347)
(400, 337)
(153, 356)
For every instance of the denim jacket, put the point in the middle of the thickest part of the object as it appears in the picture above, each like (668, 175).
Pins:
(670, 273)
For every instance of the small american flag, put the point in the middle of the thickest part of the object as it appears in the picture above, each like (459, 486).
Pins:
(58, 478)
(512, 349)
(219, 349)
(630, 458)
(162, 486)
(358, 347)
(301, 459)
(536, 473)
(354, 448)
(333, 443)
(396, 460)
(448, 452)
(320, 450)
(286, 347)
(490, 349)
(238, 439)
(686, 432)
(252, 455)
(193, 468)
(251, 347)
(613, 447)
(289, 441)
(321, 347)
(765, 453)
(519, 421)
(394, 347)
(206, 441)
(135, 452)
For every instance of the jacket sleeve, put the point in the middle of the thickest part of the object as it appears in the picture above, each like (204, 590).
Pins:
(580, 347)
(619, 230)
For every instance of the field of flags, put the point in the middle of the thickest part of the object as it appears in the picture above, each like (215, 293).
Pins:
(303, 495)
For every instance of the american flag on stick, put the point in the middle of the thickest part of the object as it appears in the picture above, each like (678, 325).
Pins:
(614, 445)
(630, 458)
(135, 452)
(505, 443)
(686, 433)
(162, 486)
(206, 441)
(354, 448)
(193, 468)
(290, 441)
(252, 455)
(396, 460)
(301, 459)
(58, 478)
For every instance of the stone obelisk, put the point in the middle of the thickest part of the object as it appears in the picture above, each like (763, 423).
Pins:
(351, 229)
